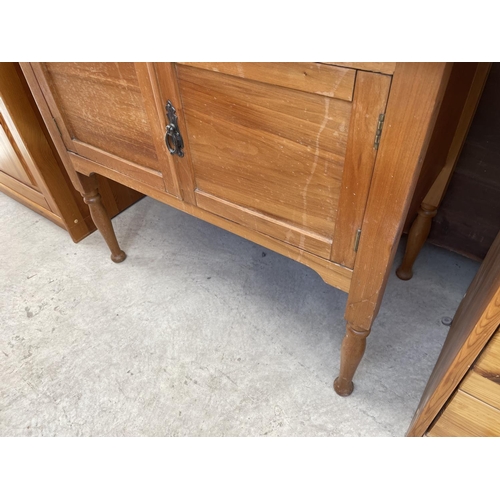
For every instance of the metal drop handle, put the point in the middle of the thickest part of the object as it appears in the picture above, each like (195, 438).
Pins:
(173, 137)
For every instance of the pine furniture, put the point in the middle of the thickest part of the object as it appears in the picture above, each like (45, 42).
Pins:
(316, 161)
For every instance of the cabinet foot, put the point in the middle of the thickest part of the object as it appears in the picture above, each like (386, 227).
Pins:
(353, 348)
(419, 232)
(100, 217)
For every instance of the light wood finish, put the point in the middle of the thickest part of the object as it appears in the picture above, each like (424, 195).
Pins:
(257, 147)
(23, 190)
(474, 409)
(42, 184)
(308, 77)
(267, 156)
(295, 236)
(169, 90)
(467, 416)
(107, 112)
(488, 363)
(482, 387)
(288, 177)
(332, 273)
(416, 94)
(11, 160)
(370, 100)
(378, 67)
(421, 226)
(100, 217)
(475, 321)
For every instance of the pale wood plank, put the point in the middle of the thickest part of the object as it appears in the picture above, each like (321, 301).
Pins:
(306, 240)
(467, 416)
(307, 77)
(489, 361)
(482, 388)
(378, 67)
(138, 172)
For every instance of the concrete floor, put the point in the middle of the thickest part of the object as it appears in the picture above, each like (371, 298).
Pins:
(200, 333)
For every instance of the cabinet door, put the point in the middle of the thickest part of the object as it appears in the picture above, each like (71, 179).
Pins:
(17, 172)
(110, 113)
(286, 149)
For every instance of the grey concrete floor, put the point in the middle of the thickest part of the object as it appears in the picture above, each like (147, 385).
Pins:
(200, 333)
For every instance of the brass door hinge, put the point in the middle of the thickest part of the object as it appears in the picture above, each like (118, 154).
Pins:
(378, 133)
(356, 240)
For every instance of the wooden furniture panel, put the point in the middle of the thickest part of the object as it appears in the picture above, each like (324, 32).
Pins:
(106, 112)
(483, 387)
(378, 67)
(475, 321)
(31, 171)
(279, 154)
(474, 409)
(11, 160)
(309, 160)
(467, 416)
(309, 77)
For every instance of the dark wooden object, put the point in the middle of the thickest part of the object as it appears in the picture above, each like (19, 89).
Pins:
(454, 120)
(469, 217)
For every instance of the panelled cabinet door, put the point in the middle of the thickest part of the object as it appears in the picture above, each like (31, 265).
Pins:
(111, 113)
(286, 149)
(17, 170)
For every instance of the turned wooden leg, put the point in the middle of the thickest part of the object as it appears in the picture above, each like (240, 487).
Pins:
(353, 348)
(417, 236)
(99, 215)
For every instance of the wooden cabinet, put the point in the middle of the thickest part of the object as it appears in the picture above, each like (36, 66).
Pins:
(462, 397)
(31, 171)
(317, 161)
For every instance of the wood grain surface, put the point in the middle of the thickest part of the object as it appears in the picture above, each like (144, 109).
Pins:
(370, 98)
(378, 67)
(333, 274)
(308, 77)
(467, 416)
(475, 321)
(416, 94)
(275, 151)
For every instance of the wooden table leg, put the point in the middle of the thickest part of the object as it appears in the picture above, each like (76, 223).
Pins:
(353, 348)
(99, 215)
(416, 96)
(421, 226)
(417, 236)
